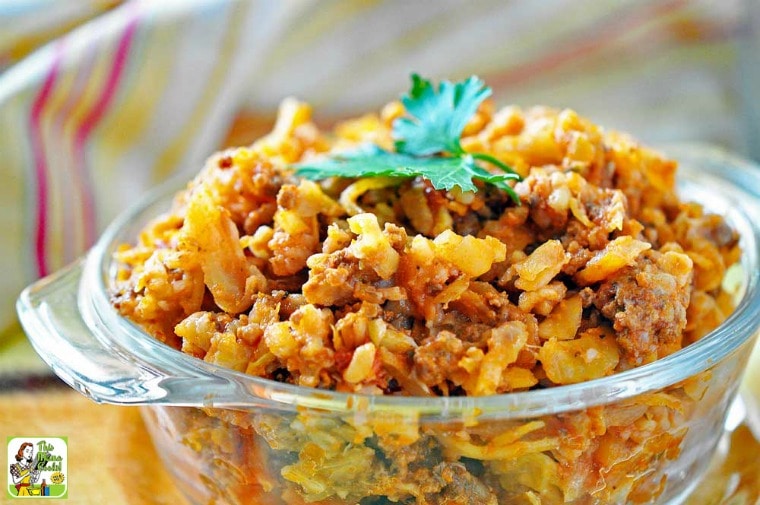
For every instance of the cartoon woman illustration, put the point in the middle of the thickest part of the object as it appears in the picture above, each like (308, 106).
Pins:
(24, 471)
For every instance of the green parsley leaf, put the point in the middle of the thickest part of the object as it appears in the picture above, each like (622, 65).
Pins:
(427, 144)
(443, 172)
(371, 161)
(366, 161)
(438, 118)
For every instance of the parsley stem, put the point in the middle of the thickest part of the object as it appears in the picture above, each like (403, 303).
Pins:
(494, 161)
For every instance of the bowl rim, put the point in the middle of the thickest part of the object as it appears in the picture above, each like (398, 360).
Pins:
(742, 325)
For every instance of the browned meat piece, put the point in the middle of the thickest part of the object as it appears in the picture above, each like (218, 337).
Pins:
(436, 360)
(647, 305)
(461, 487)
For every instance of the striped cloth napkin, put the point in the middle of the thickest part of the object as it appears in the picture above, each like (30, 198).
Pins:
(127, 94)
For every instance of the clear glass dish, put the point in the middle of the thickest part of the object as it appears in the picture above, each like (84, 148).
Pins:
(641, 436)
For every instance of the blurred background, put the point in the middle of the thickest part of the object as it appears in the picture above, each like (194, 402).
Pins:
(102, 99)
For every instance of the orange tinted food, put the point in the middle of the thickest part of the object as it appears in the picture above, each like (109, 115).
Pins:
(387, 286)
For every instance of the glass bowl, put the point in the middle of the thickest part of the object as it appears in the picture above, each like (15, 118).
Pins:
(641, 436)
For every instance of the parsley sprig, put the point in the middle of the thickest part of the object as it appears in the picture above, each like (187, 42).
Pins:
(427, 143)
